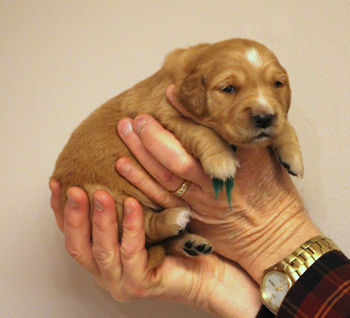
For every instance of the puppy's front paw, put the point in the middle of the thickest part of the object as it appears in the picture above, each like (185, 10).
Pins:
(291, 159)
(221, 165)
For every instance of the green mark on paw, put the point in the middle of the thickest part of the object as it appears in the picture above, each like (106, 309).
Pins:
(230, 182)
(218, 185)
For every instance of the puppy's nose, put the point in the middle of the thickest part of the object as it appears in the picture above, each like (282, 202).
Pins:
(263, 120)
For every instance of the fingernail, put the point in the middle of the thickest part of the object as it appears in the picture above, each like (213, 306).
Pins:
(71, 201)
(138, 124)
(126, 128)
(124, 167)
(98, 204)
(127, 208)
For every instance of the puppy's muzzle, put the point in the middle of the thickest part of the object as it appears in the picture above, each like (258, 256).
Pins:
(263, 120)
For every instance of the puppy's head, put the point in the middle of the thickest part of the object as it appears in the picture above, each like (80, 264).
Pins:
(237, 88)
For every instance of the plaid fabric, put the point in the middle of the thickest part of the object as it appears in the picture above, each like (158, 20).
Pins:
(322, 292)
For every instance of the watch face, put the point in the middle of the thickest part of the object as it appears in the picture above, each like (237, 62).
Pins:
(274, 288)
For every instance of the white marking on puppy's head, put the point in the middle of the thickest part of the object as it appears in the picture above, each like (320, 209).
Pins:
(254, 57)
(263, 106)
(262, 100)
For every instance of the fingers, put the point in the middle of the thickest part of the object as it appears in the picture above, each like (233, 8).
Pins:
(169, 152)
(77, 229)
(56, 202)
(133, 251)
(143, 181)
(119, 268)
(105, 246)
(115, 266)
(148, 161)
(167, 149)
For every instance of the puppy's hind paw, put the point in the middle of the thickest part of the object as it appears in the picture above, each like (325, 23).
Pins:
(189, 245)
(182, 219)
(168, 223)
(193, 248)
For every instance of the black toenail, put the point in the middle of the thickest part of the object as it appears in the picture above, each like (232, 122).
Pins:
(200, 247)
(190, 252)
(189, 244)
(208, 250)
(180, 232)
(286, 165)
(292, 173)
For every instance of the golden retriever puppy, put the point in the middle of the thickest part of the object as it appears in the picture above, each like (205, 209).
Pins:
(236, 92)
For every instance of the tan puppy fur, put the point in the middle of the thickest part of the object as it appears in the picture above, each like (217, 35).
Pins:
(236, 93)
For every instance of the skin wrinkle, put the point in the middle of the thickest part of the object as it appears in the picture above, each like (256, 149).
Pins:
(208, 297)
(200, 300)
(272, 232)
(258, 213)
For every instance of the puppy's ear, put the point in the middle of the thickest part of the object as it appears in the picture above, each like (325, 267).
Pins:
(192, 94)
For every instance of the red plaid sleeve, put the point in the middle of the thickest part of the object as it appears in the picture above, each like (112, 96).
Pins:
(323, 291)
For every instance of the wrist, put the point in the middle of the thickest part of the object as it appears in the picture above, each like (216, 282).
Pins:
(232, 294)
(281, 237)
(215, 285)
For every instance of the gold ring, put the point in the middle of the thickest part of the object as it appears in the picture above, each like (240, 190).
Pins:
(182, 189)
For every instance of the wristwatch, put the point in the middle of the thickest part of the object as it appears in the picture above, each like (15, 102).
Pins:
(279, 278)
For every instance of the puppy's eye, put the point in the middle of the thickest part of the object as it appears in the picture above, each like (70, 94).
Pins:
(278, 84)
(230, 89)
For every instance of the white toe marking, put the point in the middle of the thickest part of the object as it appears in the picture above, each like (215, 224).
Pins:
(254, 57)
(183, 218)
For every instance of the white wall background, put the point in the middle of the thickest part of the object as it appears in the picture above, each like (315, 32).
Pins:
(61, 59)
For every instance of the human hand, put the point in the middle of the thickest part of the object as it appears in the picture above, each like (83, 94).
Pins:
(267, 220)
(210, 283)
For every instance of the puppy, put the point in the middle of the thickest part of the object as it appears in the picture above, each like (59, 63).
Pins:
(235, 92)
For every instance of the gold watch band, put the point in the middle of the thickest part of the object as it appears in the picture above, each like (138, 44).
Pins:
(295, 264)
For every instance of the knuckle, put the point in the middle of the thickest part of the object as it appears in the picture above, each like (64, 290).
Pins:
(128, 291)
(73, 221)
(162, 197)
(182, 166)
(167, 177)
(131, 250)
(137, 291)
(53, 203)
(121, 298)
(75, 253)
(103, 257)
(102, 224)
(130, 229)
(140, 181)
(99, 224)
(127, 251)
